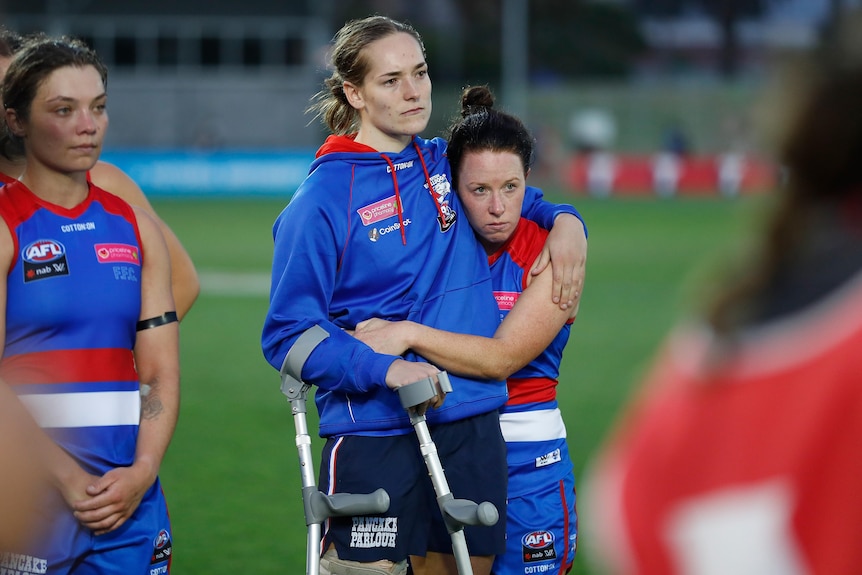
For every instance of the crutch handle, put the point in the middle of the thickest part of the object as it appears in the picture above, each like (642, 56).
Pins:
(421, 391)
(346, 504)
(320, 506)
(466, 512)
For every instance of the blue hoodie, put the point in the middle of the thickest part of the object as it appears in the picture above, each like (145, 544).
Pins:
(371, 234)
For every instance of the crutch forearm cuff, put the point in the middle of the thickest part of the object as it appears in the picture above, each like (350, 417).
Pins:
(298, 353)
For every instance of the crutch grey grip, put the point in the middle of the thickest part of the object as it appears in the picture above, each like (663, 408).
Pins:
(466, 512)
(421, 391)
(341, 504)
(320, 507)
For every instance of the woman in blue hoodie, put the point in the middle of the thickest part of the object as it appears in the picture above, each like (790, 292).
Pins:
(375, 231)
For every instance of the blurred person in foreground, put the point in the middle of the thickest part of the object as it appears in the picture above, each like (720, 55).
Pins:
(184, 278)
(23, 482)
(741, 452)
(490, 153)
(90, 343)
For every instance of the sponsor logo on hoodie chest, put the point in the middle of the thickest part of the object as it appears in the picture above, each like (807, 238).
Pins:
(379, 211)
(372, 214)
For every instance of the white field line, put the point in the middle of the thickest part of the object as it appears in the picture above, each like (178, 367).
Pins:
(234, 284)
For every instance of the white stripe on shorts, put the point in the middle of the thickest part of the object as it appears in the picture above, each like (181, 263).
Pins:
(539, 425)
(88, 409)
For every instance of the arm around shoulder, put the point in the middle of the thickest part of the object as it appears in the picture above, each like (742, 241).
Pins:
(566, 251)
(526, 331)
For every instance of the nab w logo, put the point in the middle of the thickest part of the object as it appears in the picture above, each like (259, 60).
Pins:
(44, 259)
(43, 251)
(538, 547)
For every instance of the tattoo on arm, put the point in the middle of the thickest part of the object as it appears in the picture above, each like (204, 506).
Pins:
(151, 405)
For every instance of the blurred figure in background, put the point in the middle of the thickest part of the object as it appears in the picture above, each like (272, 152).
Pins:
(184, 278)
(741, 453)
(11, 155)
(675, 140)
(594, 133)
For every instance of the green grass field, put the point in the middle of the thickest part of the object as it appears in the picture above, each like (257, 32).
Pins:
(232, 476)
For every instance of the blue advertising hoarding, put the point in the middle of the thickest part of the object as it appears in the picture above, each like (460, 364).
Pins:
(214, 173)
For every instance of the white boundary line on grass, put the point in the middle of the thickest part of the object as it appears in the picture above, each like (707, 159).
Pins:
(234, 284)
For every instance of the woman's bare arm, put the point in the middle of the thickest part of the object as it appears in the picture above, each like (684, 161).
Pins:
(184, 278)
(525, 332)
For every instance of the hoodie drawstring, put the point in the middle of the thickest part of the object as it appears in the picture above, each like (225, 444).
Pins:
(398, 191)
(397, 199)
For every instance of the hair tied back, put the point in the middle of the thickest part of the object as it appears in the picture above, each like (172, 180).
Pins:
(475, 99)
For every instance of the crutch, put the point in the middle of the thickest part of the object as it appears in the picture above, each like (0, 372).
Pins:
(456, 512)
(318, 506)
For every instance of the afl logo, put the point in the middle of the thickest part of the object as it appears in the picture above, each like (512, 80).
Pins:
(43, 252)
(538, 547)
(162, 551)
(162, 539)
(538, 540)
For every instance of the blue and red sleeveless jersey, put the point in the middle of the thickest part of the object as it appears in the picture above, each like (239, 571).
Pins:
(531, 421)
(73, 300)
(536, 382)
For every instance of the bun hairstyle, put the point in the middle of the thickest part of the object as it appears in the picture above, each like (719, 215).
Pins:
(474, 99)
(481, 127)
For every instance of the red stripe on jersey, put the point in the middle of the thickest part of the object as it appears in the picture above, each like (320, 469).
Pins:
(531, 390)
(69, 366)
(522, 246)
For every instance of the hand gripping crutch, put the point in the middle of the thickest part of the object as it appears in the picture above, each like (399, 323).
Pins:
(456, 512)
(317, 505)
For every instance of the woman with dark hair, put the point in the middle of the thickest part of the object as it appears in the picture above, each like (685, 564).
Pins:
(88, 327)
(491, 153)
(184, 278)
(741, 453)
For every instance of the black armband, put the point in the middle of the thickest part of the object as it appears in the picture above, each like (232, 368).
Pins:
(165, 318)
